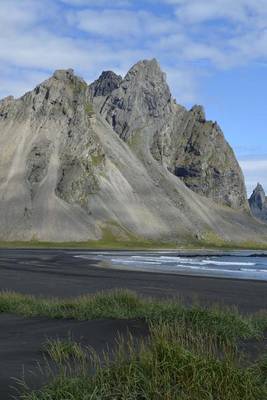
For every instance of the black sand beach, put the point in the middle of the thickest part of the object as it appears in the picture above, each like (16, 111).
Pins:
(21, 341)
(58, 273)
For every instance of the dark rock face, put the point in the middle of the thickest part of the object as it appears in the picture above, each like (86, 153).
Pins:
(258, 203)
(206, 163)
(142, 98)
(191, 147)
(37, 163)
(105, 84)
(76, 181)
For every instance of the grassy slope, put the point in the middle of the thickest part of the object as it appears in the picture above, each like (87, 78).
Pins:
(101, 244)
(116, 237)
(134, 245)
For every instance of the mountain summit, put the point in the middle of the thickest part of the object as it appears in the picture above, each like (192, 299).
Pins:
(141, 109)
(258, 203)
(118, 156)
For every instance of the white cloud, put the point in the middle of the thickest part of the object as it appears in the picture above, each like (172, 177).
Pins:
(30, 43)
(205, 10)
(255, 170)
(97, 3)
(227, 33)
(254, 165)
(183, 84)
(121, 23)
(91, 35)
(16, 83)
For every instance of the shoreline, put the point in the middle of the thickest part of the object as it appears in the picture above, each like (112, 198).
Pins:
(50, 273)
(153, 262)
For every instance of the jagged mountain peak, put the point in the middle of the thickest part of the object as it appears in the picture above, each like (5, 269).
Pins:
(141, 111)
(65, 173)
(258, 203)
(105, 84)
(138, 100)
(259, 188)
(258, 198)
(63, 74)
(199, 113)
(147, 74)
(64, 77)
(258, 191)
(140, 75)
(151, 67)
(64, 90)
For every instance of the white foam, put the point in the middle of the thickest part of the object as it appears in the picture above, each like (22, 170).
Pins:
(227, 263)
(123, 261)
(145, 258)
(167, 259)
(175, 264)
(248, 270)
(205, 268)
(84, 257)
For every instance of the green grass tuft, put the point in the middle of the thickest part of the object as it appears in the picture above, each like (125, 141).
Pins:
(226, 324)
(89, 109)
(192, 353)
(61, 351)
(174, 363)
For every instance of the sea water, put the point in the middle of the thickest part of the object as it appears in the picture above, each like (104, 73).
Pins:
(237, 264)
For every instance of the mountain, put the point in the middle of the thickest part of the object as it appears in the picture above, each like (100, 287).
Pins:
(258, 203)
(117, 157)
(140, 109)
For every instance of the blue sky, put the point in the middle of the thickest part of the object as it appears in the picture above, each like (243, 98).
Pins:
(214, 53)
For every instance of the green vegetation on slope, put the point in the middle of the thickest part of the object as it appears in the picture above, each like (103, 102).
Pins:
(89, 109)
(115, 236)
(124, 244)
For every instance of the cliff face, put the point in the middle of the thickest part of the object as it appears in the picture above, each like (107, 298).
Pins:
(205, 162)
(79, 160)
(258, 203)
(47, 161)
(191, 148)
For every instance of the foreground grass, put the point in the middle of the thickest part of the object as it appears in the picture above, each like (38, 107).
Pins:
(63, 350)
(175, 362)
(226, 324)
(192, 353)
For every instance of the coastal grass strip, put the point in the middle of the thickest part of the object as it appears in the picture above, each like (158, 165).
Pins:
(212, 242)
(227, 324)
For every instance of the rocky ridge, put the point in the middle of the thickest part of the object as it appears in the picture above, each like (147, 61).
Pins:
(116, 156)
(142, 109)
(258, 203)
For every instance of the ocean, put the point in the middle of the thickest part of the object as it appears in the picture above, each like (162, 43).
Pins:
(235, 264)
